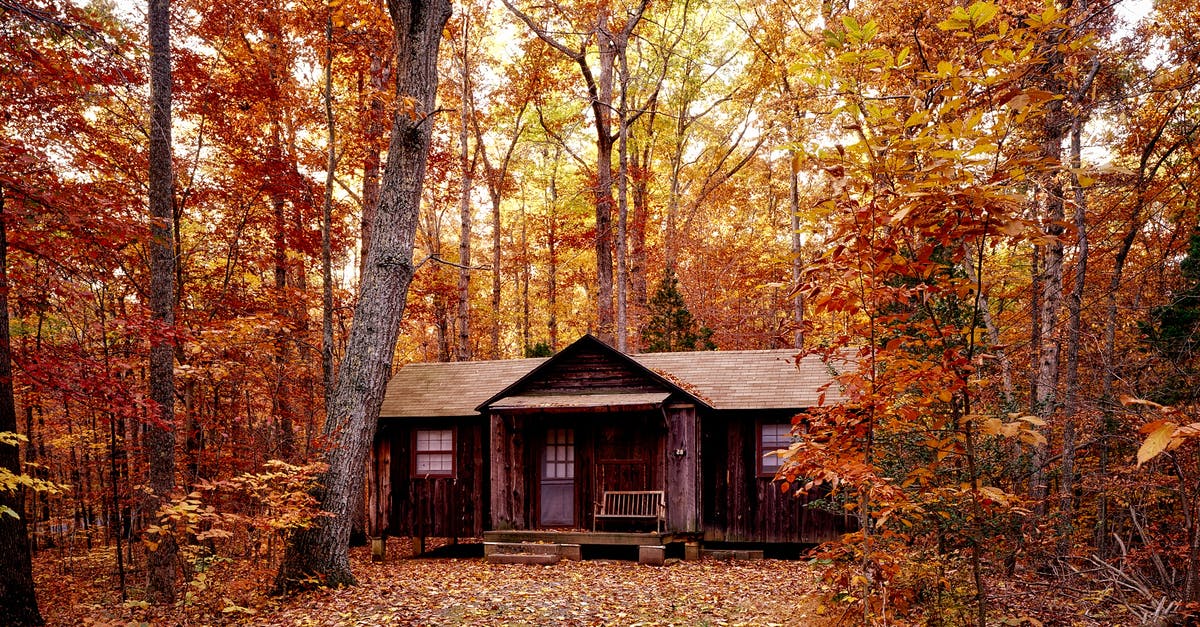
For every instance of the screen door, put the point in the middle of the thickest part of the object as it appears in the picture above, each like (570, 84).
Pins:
(558, 479)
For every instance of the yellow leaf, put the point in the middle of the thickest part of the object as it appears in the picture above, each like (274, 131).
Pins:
(945, 396)
(1156, 442)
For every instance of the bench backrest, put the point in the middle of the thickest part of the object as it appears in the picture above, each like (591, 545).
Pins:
(633, 503)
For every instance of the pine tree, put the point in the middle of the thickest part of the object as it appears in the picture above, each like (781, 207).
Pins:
(1174, 330)
(671, 327)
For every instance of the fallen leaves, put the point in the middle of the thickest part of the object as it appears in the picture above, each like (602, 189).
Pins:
(426, 591)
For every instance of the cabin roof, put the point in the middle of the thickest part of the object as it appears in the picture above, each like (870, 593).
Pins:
(726, 380)
(450, 389)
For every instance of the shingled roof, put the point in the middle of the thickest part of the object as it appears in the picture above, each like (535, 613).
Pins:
(727, 380)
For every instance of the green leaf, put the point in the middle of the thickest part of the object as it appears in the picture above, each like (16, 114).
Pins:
(8, 511)
(982, 12)
(852, 27)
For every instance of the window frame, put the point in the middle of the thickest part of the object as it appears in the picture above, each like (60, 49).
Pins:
(761, 450)
(453, 451)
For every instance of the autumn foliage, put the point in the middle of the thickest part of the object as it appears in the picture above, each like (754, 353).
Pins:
(984, 216)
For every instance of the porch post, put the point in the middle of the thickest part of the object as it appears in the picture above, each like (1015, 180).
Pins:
(379, 495)
(507, 491)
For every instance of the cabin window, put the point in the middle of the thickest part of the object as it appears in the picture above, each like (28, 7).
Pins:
(433, 455)
(772, 436)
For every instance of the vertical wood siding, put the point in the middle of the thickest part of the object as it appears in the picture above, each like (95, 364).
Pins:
(451, 507)
(740, 506)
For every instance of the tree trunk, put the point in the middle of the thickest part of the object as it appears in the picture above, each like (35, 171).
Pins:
(327, 219)
(638, 289)
(322, 551)
(371, 162)
(622, 322)
(526, 270)
(552, 246)
(159, 436)
(495, 276)
(463, 346)
(600, 94)
(604, 201)
(16, 566)
(1046, 398)
(1066, 505)
(797, 259)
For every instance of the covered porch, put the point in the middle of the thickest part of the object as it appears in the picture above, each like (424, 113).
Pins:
(586, 425)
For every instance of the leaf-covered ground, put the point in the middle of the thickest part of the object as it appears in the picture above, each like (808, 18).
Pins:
(465, 591)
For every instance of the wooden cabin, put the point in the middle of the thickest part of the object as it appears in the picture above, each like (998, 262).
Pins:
(470, 449)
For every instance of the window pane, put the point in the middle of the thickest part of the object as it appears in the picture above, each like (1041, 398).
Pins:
(434, 454)
(434, 463)
(431, 440)
(774, 436)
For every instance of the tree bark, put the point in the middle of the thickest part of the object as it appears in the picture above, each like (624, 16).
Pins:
(17, 595)
(159, 434)
(374, 128)
(1045, 400)
(327, 219)
(322, 551)
(463, 346)
(619, 44)
(552, 250)
(797, 259)
(1066, 498)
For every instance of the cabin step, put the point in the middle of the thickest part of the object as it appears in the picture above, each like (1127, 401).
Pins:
(564, 551)
(731, 554)
(543, 559)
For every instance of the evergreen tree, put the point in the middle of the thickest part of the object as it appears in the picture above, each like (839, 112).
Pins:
(671, 327)
(1174, 330)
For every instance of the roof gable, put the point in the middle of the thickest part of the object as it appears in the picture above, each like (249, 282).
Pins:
(590, 367)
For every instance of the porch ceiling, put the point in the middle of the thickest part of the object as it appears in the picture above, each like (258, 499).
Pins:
(595, 401)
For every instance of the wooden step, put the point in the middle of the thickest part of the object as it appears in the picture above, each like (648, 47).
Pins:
(523, 558)
(732, 554)
(566, 551)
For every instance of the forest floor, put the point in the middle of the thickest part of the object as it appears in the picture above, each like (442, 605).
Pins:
(452, 591)
(451, 586)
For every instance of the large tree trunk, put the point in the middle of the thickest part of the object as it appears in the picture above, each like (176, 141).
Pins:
(159, 437)
(1045, 400)
(16, 567)
(322, 551)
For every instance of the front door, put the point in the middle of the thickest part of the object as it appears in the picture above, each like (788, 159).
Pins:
(558, 479)
(623, 459)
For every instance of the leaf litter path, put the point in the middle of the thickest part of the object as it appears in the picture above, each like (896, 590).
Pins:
(593, 592)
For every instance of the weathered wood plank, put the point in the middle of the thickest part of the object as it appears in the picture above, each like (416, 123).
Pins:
(451, 507)
(571, 537)
(683, 470)
(740, 506)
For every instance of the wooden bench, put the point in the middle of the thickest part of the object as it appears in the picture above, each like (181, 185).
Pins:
(632, 504)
